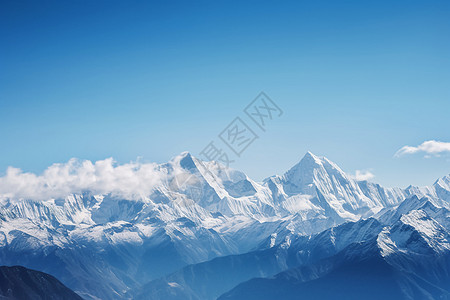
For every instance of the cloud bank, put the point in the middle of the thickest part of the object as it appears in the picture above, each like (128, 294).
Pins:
(131, 181)
(431, 147)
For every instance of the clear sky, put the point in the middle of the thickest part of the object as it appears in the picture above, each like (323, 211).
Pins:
(357, 81)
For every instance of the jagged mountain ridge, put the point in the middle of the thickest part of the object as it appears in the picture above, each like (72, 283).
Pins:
(329, 189)
(415, 231)
(210, 279)
(408, 258)
(194, 211)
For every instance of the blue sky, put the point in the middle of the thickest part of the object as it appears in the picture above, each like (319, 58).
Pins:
(357, 81)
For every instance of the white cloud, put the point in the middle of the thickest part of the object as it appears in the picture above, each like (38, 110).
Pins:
(130, 181)
(363, 175)
(429, 148)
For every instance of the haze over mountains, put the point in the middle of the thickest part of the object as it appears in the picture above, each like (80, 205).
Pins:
(189, 229)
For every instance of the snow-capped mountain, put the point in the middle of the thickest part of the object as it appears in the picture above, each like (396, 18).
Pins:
(317, 184)
(210, 279)
(415, 232)
(407, 259)
(105, 244)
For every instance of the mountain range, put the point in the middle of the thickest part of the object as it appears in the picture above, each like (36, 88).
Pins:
(203, 231)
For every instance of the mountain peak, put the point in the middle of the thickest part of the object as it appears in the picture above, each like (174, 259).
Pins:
(185, 154)
(181, 156)
(302, 173)
(311, 156)
(444, 182)
(184, 160)
(309, 161)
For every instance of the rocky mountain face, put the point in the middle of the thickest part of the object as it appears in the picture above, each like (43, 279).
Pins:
(199, 218)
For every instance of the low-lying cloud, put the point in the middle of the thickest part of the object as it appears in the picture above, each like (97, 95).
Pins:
(431, 147)
(130, 181)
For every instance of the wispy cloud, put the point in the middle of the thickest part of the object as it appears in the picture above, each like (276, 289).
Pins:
(363, 175)
(129, 181)
(429, 148)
